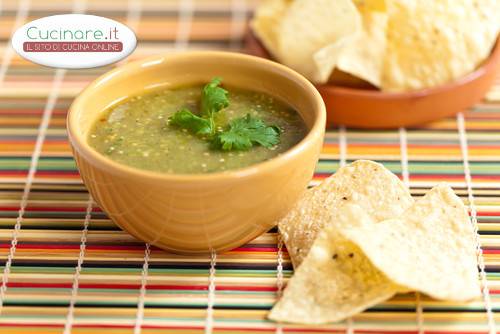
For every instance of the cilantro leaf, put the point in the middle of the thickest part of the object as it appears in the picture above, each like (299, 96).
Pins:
(244, 132)
(213, 98)
(185, 119)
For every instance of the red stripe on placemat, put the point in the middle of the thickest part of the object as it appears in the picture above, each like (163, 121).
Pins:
(423, 177)
(255, 249)
(488, 213)
(72, 175)
(73, 246)
(452, 177)
(397, 145)
(115, 247)
(296, 329)
(137, 286)
(51, 208)
(149, 286)
(491, 251)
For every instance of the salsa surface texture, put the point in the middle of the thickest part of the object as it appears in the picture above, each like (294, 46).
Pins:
(135, 132)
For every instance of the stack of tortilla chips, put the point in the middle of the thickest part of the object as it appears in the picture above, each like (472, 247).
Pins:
(395, 45)
(359, 238)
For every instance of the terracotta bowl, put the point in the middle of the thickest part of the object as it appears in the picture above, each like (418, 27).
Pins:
(370, 108)
(196, 213)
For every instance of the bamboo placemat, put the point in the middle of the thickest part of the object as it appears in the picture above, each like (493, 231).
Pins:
(68, 268)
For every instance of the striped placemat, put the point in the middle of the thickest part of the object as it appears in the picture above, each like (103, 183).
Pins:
(67, 268)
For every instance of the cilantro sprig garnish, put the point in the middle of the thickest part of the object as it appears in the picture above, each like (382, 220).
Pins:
(240, 134)
(246, 131)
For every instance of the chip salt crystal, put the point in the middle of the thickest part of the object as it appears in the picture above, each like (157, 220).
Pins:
(366, 183)
(430, 248)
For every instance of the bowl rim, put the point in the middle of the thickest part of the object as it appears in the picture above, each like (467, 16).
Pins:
(80, 144)
(488, 64)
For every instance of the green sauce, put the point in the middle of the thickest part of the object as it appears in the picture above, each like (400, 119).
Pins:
(135, 132)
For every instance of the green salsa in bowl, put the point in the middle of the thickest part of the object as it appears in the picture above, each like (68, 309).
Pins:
(137, 131)
(269, 132)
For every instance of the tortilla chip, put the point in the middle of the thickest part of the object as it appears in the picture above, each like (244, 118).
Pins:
(335, 281)
(366, 183)
(294, 31)
(266, 22)
(326, 59)
(432, 42)
(430, 248)
(364, 56)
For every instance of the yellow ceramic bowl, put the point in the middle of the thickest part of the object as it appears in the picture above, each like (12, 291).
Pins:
(199, 212)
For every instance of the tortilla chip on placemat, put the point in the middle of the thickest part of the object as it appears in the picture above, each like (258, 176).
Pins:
(366, 183)
(335, 281)
(430, 248)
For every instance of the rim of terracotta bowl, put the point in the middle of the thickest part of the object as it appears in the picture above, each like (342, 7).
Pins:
(80, 144)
